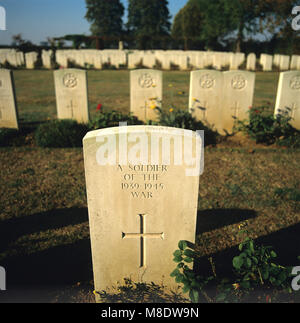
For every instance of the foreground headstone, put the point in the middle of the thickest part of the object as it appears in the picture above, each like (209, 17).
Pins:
(142, 190)
(71, 95)
(205, 99)
(8, 105)
(288, 97)
(237, 98)
(145, 93)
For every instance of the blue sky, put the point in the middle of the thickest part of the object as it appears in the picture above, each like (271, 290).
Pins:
(38, 19)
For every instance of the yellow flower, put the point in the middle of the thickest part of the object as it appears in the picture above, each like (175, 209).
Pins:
(236, 286)
(180, 93)
(170, 85)
(94, 292)
(152, 106)
(194, 99)
(153, 85)
(171, 110)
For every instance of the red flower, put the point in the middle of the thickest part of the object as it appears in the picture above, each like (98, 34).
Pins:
(268, 299)
(99, 106)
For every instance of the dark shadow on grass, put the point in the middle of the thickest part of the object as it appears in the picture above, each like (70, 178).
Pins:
(212, 219)
(39, 276)
(12, 229)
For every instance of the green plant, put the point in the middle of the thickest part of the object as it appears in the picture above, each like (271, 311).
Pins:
(60, 133)
(112, 119)
(266, 128)
(255, 266)
(183, 119)
(192, 283)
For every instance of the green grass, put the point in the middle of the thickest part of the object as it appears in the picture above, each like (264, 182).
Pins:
(44, 230)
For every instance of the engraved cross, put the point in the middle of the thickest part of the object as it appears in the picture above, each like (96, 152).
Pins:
(293, 109)
(142, 235)
(236, 109)
(71, 106)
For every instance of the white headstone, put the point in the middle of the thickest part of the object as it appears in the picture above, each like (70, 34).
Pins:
(284, 62)
(251, 62)
(31, 59)
(266, 61)
(288, 96)
(237, 98)
(47, 59)
(71, 94)
(142, 199)
(8, 105)
(294, 62)
(205, 101)
(145, 93)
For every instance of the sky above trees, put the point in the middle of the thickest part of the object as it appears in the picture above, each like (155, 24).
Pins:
(38, 19)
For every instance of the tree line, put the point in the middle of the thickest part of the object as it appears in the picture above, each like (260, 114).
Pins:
(201, 25)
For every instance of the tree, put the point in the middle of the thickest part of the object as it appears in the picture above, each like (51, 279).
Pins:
(187, 25)
(202, 20)
(220, 19)
(105, 17)
(148, 22)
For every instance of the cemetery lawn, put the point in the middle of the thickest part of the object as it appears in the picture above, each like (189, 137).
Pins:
(44, 231)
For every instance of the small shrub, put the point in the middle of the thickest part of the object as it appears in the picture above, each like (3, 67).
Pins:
(60, 134)
(112, 119)
(253, 268)
(265, 128)
(183, 119)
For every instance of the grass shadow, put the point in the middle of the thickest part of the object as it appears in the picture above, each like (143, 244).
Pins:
(212, 219)
(12, 229)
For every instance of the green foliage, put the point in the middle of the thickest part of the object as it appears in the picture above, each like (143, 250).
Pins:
(112, 119)
(106, 17)
(60, 133)
(255, 266)
(183, 119)
(183, 274)
(268, 129)
(148, 22)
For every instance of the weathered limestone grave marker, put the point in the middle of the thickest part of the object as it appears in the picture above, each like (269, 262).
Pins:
(8, 105)
(205, 96)
(142, 189)
(288, 96)
(71, 95)
(238, 93)
(145, 93)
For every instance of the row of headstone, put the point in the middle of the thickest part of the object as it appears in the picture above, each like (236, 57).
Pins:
(167, 60)
(216, 98)
(12, 57)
